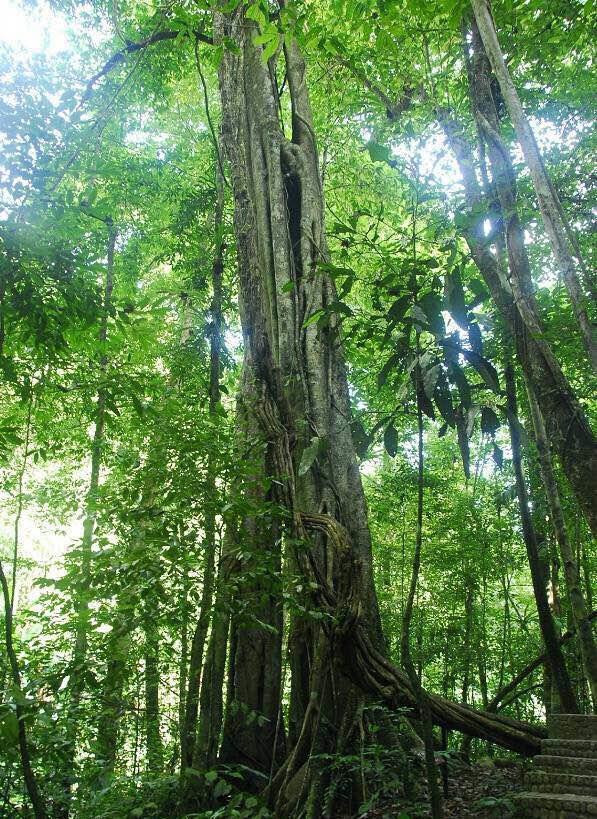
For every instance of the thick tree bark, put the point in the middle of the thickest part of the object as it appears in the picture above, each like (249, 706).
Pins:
(295, 400)
(549, 205)
(295, 371)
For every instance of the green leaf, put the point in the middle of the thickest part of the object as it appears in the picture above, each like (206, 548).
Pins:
(270, 32)
(311, 453)
(254, 12)
(460, 380)
(390, 440)
(360, 438)
(431, 304)
(423, 400)
(480, 291)
(230, 6)
(418, 315)
(430, 377)
(387, 368)
(443, 401)
(140, 408)
(378, 153)
(474, 337)
(485, 369)
(270, 48)
(399, 308)
(313, 318)
(230, 44)
(490, 423)
(471, 417)
(9, 728)
(222, 788)
(454, 296)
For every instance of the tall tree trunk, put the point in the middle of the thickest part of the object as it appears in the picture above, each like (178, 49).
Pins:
(546, 623)
(406, 658)
(112, 706)
(184, 650)
(558, 231)
(295, 401)
(153, 738)
(212, 689)
(578, 605)
(188, 735)
(567, 425)
(82, 611)
(20, 711)
(294, 384)
(19, 512)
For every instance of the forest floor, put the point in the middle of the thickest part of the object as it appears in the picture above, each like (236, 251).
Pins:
(482, 791)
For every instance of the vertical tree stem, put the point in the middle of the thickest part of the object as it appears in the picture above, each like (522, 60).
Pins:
(549, 205)
(556, 658)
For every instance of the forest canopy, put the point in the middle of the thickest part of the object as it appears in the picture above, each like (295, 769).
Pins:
(298, 475)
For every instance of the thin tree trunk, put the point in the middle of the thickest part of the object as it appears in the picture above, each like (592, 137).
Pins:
(424, 710)
(212, 689)
(188, 736)
(19, 513)
(549, 205)
(153, 738)
(578, 605)
(82, 611)
(468, 627)
(184, 649)
(119, 642)
(567, 425)
(587, 575)
(498, 699)
(20, 712)
(212, 694)
(550, 638)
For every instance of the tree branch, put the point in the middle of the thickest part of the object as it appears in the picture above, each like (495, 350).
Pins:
(496, 702)
(131, 47)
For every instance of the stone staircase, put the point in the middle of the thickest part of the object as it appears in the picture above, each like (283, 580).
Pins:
(563, 781)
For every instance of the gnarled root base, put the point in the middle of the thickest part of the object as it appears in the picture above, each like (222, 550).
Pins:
(358, 658)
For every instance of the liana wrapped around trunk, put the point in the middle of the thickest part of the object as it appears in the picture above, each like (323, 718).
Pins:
(294, 398)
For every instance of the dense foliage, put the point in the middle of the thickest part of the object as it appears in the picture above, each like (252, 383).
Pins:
(144, 536)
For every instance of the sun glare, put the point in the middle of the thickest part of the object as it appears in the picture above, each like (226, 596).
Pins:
(32, 30)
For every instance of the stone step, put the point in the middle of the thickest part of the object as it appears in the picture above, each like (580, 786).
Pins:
(555, 805)
(575, 764)
(585, 748)
(554, 782)
(572, 726)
